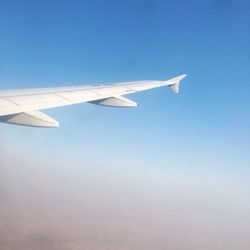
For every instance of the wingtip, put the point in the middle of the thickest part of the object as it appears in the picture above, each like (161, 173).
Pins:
(179, 78)
(174, 83)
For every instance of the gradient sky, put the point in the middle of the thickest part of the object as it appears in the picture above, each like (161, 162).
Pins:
(198, 140)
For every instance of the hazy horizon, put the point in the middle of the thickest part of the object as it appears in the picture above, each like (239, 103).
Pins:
(54, 205)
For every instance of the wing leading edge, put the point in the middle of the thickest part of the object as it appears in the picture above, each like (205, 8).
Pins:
(21, 107)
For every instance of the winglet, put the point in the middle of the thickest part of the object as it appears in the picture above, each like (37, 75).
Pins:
(174, 83)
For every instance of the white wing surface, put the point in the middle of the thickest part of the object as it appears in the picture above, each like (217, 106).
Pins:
(22, 107)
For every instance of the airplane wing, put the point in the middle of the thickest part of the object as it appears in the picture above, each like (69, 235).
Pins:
(22, 107)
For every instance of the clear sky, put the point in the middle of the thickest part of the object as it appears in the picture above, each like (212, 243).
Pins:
(198, 140)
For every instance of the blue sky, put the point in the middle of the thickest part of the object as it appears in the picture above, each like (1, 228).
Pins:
(202, 133)
(51, 43)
